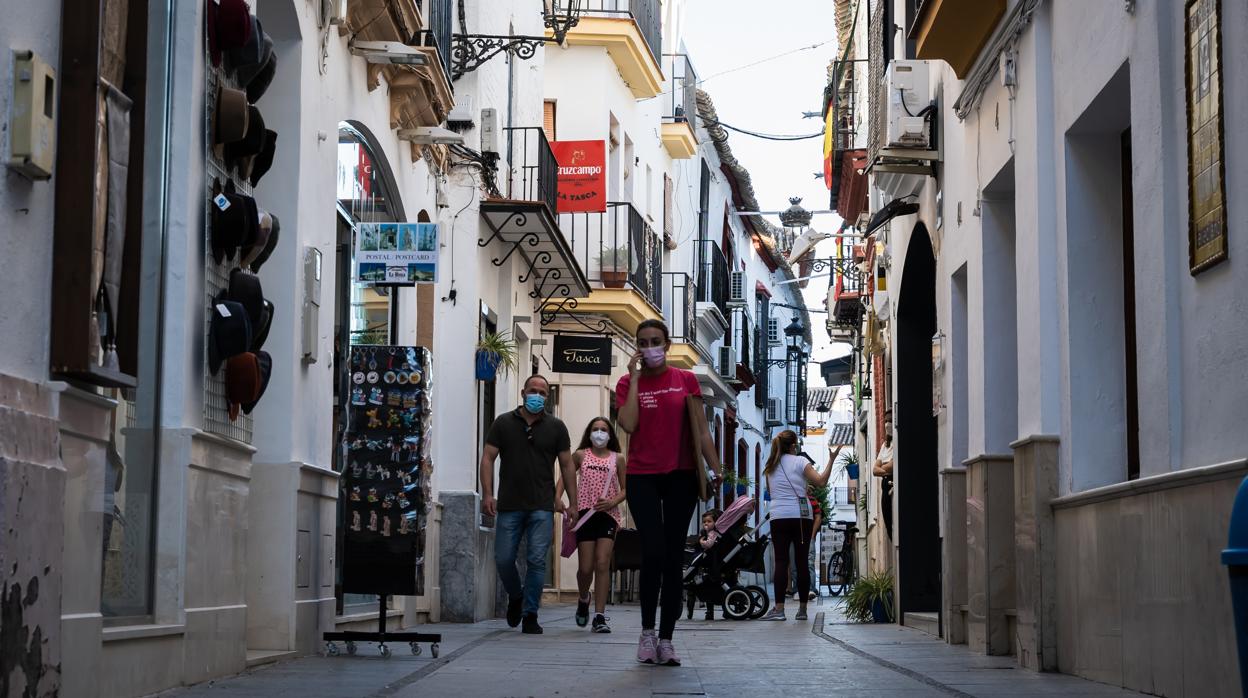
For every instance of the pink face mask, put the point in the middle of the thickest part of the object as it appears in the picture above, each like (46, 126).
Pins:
(653, 356)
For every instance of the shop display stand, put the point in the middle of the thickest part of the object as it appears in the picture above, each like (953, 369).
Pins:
(381, 637)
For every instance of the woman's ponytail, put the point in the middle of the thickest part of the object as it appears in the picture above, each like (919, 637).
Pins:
(780, 445)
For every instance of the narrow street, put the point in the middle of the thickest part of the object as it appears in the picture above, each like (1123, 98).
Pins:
(826, 656)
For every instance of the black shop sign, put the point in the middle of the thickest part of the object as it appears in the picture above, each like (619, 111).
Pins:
(582, 354)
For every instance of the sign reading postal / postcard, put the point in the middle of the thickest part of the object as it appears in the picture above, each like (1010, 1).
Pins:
(397, 253)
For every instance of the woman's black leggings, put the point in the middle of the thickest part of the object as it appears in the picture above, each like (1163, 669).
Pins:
(661, 506)
(796, 533)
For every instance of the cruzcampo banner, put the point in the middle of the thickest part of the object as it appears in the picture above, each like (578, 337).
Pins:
(582, 176)
(575, 353)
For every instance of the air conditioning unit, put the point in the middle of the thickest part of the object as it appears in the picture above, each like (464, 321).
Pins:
(727, 363)
(773, 410)
(908, 94)
(736, 287)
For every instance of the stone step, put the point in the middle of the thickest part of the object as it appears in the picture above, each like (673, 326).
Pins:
(926, 621)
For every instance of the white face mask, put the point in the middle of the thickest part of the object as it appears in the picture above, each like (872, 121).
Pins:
(599, 438)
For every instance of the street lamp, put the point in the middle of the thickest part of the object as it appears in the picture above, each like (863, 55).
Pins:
(796, 384)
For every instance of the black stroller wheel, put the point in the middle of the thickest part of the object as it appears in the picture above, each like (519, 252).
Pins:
(759, 602)
(737, 604)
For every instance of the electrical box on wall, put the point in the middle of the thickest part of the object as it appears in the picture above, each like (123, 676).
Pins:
(311, 303)
(32, 118)
(489, 130)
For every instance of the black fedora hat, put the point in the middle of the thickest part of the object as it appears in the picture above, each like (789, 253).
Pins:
(266, 321)
(245, 288)
(263, 160)
(259, 84)
(229, 332)
(231, 216)
(265, 364)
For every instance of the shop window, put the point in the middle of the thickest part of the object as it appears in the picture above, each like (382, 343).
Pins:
(106, 316)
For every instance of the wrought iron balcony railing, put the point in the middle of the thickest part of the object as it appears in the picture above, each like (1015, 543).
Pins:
(681, 105)
(617, 248)
(646, 13)
(679, 297)
(713, 276)
(742, 337)
(532, 173)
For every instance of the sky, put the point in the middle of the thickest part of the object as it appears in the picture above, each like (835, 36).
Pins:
(722, 36)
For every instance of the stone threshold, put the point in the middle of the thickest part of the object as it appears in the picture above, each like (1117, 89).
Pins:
(257, 658)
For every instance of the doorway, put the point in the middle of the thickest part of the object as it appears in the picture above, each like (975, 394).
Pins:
(916, 495)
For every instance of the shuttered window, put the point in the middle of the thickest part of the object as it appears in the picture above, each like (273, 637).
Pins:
(548, 120)
(668, 191)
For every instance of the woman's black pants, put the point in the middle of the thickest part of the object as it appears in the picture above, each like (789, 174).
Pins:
(661, 506)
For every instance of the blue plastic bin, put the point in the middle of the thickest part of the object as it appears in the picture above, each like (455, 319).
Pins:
(1235, 557)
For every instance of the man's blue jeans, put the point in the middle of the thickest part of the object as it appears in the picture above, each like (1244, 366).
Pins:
(537, 528)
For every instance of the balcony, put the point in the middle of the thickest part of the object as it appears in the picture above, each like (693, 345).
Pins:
(680, 108)
(846, 292)
(521, 216)
(742, 339)
(631, 31)
(420, 95)
(621, 255)
(679, 299)
(954, 31)
(712, 294)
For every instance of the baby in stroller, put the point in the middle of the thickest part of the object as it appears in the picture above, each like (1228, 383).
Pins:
(714, 562)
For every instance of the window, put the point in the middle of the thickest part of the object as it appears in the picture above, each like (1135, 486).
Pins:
(548, 120)
(106, 319)
(773, 330)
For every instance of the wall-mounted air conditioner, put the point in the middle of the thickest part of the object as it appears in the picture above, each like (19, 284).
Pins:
(727, 364)
(773, 410)
(908, 95)
(736, 287)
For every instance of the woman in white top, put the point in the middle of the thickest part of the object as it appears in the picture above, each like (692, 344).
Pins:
(791, 515)
(883, 469)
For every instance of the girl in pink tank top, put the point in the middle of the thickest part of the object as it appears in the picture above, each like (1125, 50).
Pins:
(600, 482)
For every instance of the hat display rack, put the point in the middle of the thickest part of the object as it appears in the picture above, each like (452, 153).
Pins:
(239, 63)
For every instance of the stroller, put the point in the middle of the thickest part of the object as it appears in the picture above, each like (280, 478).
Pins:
(712, 575)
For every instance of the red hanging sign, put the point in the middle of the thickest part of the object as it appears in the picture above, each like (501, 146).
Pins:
(582, 175)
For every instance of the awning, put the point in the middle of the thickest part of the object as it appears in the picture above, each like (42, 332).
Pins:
(527, 230)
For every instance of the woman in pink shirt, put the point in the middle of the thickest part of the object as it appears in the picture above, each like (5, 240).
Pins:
(662, 484)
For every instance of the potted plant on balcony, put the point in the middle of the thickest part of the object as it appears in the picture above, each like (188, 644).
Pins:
(613, 265)
(851, 465)
(495, 349)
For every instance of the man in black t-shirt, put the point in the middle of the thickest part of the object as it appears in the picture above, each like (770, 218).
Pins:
(529, 441)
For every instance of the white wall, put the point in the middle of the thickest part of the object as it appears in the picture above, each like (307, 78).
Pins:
(26, 212)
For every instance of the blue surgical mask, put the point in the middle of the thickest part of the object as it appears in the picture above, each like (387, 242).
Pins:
(534, 403)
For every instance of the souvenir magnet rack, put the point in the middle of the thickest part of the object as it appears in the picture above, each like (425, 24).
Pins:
(350, 637)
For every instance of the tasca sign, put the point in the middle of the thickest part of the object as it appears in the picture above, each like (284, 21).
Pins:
(582, 175)
(582, 354)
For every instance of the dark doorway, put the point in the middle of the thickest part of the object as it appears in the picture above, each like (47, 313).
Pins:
(916, 497)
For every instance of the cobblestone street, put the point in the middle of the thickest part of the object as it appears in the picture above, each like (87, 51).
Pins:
(826, 656)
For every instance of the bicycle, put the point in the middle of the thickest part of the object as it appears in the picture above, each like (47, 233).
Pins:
(841, 571)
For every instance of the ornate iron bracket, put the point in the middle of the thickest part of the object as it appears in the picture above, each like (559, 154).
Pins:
(531, 238)
(564, 306)
(842, 265)
(471, 51)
